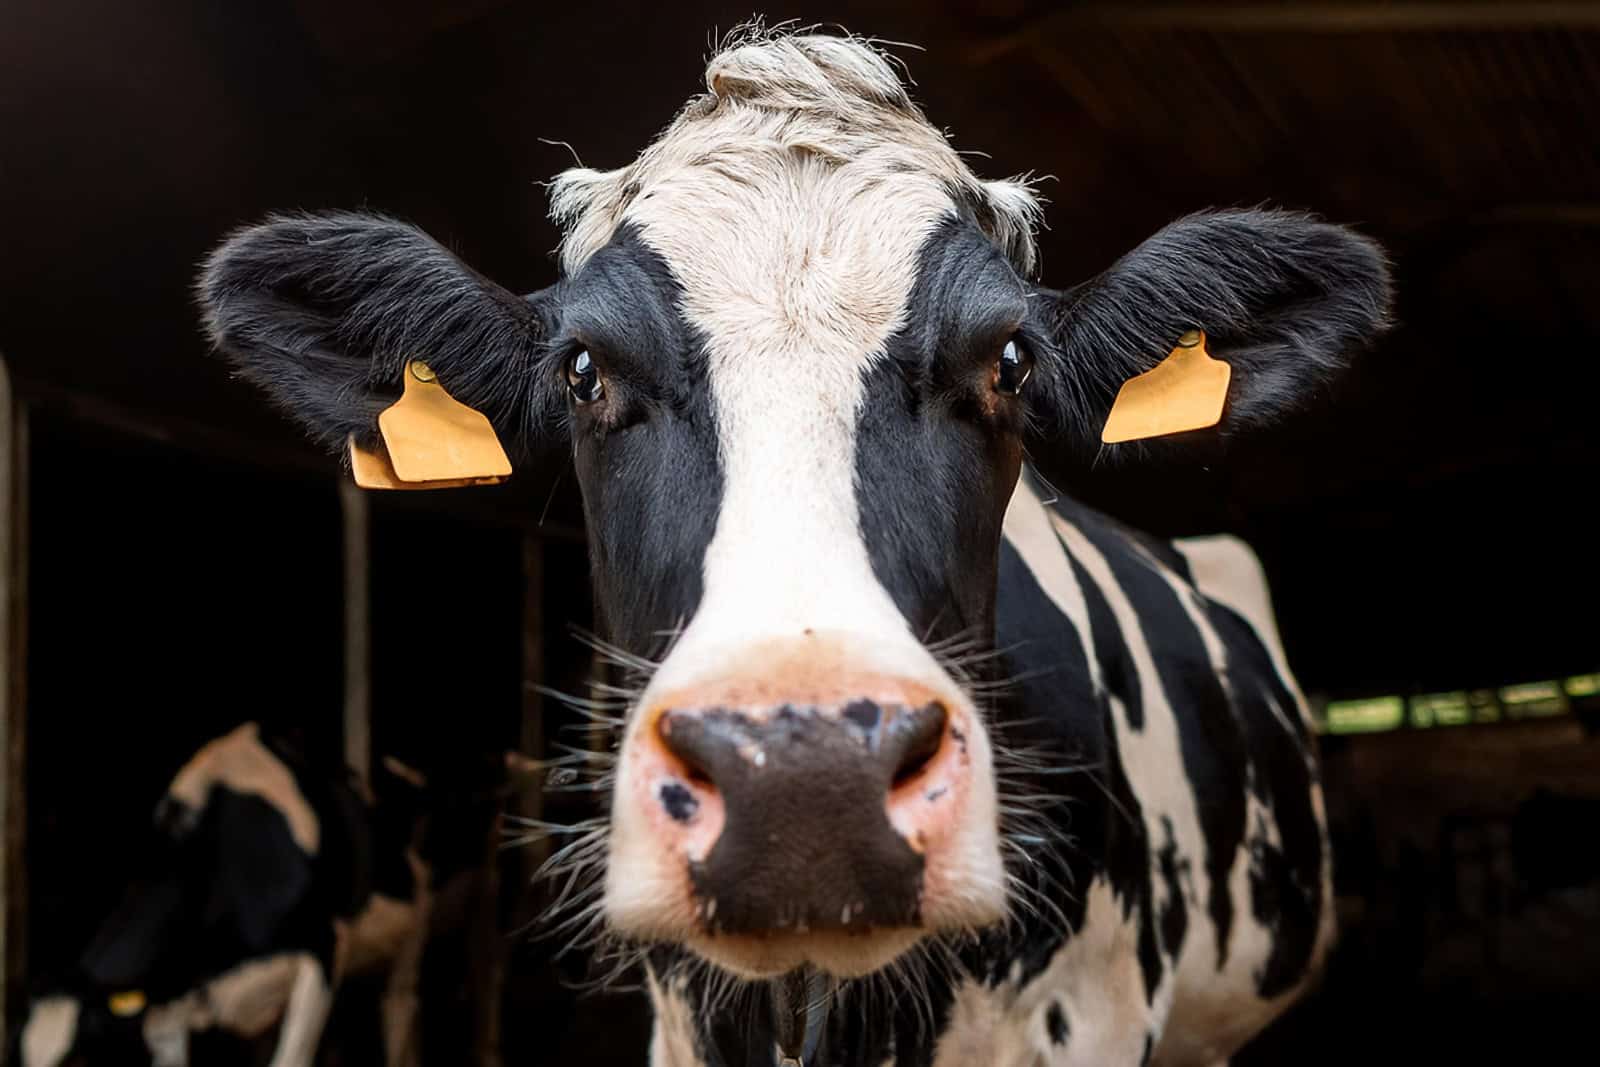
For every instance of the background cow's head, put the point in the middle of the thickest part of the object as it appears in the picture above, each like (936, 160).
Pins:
(796, 352)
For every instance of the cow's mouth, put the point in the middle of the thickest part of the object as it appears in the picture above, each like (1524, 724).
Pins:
(800, 1002)
(838, 953)
(831, 822)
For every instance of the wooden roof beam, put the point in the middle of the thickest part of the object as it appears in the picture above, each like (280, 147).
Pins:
(1422, 16)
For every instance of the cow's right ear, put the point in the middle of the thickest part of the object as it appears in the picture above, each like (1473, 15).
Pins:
(1285, 299)
(324, 312)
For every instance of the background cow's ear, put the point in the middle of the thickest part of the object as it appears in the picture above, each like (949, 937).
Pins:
(1283, 297)
(324, 311)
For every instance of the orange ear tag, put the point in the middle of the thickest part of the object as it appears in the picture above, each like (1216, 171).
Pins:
(1185, 391)
(125, 1005)
(430, 441)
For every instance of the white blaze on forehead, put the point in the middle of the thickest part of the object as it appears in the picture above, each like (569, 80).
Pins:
(796, 277)
(791, 204)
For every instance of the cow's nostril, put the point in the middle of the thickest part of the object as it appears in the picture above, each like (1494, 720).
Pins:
(685, 737)
(713, 749)
(919, 733)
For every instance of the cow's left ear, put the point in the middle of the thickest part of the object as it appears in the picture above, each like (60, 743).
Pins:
(324, 312)
(1283, 298)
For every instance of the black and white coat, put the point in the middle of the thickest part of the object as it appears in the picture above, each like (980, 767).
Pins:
(266, 885)
(916, 766)
(1171, 833)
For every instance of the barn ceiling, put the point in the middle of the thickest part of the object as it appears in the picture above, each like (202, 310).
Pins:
(1424, 524)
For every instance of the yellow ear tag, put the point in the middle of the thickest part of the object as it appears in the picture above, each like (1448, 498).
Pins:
(127, 1004)
(430, 441)
(1185, 391)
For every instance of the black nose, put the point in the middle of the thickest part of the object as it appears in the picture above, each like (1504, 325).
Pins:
(806, 841)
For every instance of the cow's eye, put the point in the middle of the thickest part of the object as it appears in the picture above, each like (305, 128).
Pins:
(583, 378)
(1011, 370)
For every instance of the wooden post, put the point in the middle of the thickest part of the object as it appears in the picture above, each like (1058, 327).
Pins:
(528, 803)
(531, 743)
(13, 702)
(356, 520)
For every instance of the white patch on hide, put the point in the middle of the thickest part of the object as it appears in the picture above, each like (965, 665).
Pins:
(49, 1032)
(242, 762)
(1095, 976)
(672, 1038)
(1028, 528)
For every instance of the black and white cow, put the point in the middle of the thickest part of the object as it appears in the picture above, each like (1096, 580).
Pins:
(929, 767)
(268, 882)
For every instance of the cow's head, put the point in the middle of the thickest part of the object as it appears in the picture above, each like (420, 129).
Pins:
(795, 350)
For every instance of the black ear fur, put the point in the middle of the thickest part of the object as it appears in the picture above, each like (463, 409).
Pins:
(323, 311)
(1283, 297)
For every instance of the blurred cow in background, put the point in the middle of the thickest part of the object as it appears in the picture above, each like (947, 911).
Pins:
(268, 885)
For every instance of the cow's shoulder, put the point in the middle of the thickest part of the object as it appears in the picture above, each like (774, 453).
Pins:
(1200, 599)
(1129, 600)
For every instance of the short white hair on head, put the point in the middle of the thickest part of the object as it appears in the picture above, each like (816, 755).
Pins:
(821, 97)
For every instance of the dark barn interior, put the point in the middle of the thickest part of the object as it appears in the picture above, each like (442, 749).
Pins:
(178, 560)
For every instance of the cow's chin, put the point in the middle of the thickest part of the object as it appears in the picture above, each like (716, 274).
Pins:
(840, 953)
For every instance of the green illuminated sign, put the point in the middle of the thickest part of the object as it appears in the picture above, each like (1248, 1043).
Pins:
(1534, 700)
(1441, 709)
(1365, 716)
(1583, 685)
(1425, 711)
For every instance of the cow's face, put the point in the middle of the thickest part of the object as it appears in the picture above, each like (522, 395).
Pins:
(795, 401)
(794, 353)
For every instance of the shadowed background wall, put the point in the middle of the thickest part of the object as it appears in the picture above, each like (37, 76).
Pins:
(1429, 526)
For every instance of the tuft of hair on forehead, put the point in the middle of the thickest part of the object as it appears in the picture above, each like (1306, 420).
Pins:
(833, 97)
